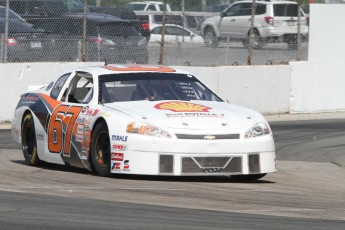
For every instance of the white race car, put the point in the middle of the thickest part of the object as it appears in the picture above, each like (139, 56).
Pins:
(148, 120)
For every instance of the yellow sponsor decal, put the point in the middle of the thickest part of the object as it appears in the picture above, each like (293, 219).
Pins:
(177, 106)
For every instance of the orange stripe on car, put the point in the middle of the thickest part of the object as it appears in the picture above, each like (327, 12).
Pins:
(53, 103)
(141, 68)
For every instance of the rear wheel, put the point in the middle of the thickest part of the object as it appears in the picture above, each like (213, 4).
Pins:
(292, 42)
(100, 149)
(210, 38)
(257, 42)
(249, 177)
(29, 143)
(292, 46)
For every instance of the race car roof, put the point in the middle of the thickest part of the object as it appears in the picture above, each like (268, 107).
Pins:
(113, 69)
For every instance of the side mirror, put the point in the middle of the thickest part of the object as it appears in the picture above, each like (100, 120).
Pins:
(222, 14)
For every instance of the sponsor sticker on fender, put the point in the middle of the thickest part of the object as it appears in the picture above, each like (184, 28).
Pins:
(119, 147)
(92, 112)
(117, 156)
(119, 138)
(116, 167)
(126, 166)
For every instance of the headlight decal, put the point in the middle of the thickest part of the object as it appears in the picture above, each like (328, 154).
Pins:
(146, 129)
(259, 129)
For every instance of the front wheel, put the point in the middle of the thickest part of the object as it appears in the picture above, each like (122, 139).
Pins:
(100, 150)
(29, 143)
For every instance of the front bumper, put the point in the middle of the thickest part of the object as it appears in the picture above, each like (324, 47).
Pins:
(196, 158)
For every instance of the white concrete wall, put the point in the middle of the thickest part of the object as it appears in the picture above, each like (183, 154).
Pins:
(263, 88)
(317, 87)
(326, 33)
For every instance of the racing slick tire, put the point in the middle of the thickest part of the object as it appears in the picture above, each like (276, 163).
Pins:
(249, 177)
(100, 150)
(29, 143)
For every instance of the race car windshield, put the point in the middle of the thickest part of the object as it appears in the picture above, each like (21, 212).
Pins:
(152, 87)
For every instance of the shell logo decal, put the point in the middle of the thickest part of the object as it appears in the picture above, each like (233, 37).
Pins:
(177, 106)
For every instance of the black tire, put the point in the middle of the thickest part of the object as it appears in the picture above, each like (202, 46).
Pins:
(257, 44)
(245, 43)
(29, 143)
(257, 41)
(292, 44)
(100, 150)
(249, 177)
(210, 38)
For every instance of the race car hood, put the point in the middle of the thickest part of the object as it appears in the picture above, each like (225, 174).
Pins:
(203, 115)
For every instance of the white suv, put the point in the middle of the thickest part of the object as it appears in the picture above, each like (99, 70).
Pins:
(274, 21)
(147, 6)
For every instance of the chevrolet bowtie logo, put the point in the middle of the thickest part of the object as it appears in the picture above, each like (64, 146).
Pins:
(209, 137)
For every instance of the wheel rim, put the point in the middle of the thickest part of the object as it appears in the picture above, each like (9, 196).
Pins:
(102, 155)
(256, 39)
(209, 38)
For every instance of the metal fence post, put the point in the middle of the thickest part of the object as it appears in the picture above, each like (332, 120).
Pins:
(2, 36)
(99, 48)
(161, 50)
(227, 49)
(250, 46)
(83, 52)
(179, 52)
(299, 31)
(79, 50)
(6, 31)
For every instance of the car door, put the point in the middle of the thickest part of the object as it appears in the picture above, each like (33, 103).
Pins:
(241, 25)
(176, 34)
(48, 137)
(227, 19)
(173, 35)
(229, 24)
(64, 133)
(156, 34)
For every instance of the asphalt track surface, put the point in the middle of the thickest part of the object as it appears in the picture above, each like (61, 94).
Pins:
(307, 192)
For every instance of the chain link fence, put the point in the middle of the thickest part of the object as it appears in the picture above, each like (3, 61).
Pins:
(195, 33)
